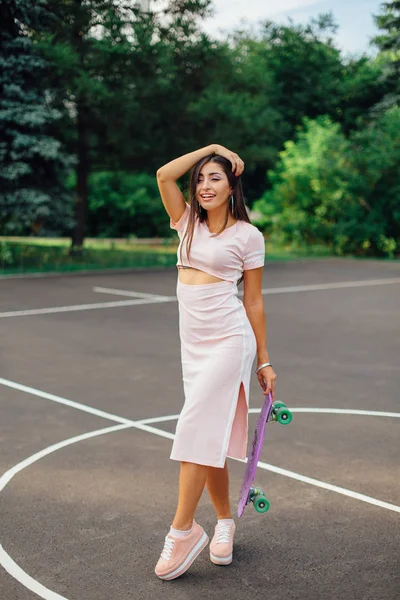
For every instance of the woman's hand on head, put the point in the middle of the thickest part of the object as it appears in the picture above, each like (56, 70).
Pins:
(267, 379)
(237, 163)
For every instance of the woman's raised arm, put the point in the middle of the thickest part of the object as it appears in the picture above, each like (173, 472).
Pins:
(168, 175)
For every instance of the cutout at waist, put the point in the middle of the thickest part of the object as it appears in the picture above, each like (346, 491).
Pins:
(193, 276)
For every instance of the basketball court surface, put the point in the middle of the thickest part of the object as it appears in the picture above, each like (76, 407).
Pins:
(91, 389)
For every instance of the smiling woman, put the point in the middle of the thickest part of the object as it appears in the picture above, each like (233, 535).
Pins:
(216, 198)
(220, 337)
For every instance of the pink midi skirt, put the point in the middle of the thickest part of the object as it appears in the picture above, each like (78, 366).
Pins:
(218, 347)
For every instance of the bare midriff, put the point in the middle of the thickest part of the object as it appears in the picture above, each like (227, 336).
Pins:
(192, 276)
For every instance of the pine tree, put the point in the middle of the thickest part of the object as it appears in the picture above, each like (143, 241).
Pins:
(389, 21)
(32, 162)
(389, 43)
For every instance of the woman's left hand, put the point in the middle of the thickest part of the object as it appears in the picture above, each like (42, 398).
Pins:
(267, 379)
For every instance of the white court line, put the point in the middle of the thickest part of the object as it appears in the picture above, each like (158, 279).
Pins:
(32, 584)
(278, 290)
(144, 425)
(5, 559)
(309, 480)
(85, 408)
(60, 400)
(26, 580)
(112, 291)
(150, 299)
(4, 479)
(29, 582)
(340, 411)
(328, 486)
(80, 307)
(330, 286)
(328, 411)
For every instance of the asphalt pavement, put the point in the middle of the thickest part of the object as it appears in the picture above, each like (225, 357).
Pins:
(88, 490)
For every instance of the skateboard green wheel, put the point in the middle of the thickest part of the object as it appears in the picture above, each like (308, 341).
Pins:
(284, 416)
(261, 504)
(275, 409)
(277, 405)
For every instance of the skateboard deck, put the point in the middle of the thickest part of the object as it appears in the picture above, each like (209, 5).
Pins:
(269, 411)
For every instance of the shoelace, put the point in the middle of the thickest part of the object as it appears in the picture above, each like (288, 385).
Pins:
(168, 547)
(223, 533)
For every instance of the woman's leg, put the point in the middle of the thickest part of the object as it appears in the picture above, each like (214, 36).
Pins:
(217, 484)
(192, 479)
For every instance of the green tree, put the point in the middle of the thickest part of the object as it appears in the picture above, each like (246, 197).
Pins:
(338, 191)
(169, 70)
(84, 42)
(116, 71)
(371, 221)
(389, 43)
(262, 86)
(33, 164)
(308, 185)
(307, 69)
(122, 204)
(363, 87)
(237, 106)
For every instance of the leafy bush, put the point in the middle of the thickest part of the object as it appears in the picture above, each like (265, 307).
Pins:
(308, 185)
(123, 204)
(372, 213)
(344, 193)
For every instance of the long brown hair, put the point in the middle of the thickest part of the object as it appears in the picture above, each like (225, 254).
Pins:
(239, 211)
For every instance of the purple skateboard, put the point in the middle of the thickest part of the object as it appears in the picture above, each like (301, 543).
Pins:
(276, 412)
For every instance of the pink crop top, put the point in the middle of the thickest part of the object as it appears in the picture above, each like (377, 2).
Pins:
(238, 248)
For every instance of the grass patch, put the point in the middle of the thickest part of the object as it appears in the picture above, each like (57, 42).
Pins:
(17, 257)
(45, 256)
(94, 243)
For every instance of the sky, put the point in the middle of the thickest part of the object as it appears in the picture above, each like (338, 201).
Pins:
(354, 17)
